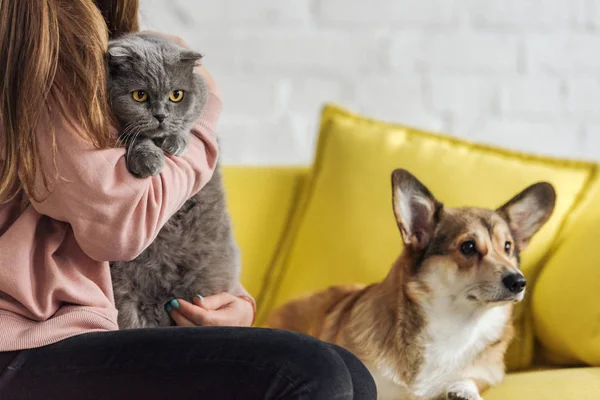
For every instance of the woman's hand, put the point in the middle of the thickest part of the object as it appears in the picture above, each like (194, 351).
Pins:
(201, 69)
(223, 309)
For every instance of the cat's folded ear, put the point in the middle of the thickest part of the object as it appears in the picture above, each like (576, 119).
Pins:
(190, 56)
(118, 55)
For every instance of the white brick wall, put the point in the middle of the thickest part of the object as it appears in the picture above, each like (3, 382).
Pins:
(523, 74)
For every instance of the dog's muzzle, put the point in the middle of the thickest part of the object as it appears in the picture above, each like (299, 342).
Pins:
(515, 283)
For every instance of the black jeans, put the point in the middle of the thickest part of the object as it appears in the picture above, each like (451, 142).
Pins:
(185, 363)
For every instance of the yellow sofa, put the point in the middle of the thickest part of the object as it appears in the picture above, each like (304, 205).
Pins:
(303, 229)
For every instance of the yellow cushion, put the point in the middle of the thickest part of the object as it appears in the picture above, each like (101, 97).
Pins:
(345, 230)
(566, 301)
(563, 384)
(260, 201)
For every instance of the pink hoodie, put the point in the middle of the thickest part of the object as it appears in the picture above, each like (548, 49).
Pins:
(54, 280)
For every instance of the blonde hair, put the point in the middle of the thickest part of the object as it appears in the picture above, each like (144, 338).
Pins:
(49, 47)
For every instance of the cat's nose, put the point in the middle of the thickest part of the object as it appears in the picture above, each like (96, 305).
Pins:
(160, 117)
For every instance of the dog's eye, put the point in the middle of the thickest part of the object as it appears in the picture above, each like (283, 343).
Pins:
(468, 248)
(507, 247)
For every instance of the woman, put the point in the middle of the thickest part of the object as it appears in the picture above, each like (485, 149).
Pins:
(68, 204)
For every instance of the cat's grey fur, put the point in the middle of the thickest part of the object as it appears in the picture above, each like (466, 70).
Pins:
(195, 252)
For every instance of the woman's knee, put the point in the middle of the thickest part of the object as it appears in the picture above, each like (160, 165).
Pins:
(362, 380)
(312, 366)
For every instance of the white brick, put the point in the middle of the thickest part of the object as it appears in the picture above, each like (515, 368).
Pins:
(456, 65)
(224, 13)
(267, 11)
(249, 97)
(590, 14)
(300, 51)
(397, 99)
(215, 49)
(583, 97)
(464, 100)
(556, 138)
(582, 13)
(531, 95)
(590, 144)
(458, 52)
(306, 133)
(382, 12)
(406, 51)
(521, 14)
(174, 17)
(282, 141)
(575, 52)
(461, 94)
(307, 95)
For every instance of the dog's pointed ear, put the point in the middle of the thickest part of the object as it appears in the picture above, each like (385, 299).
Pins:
(528, 211)
(415, 209)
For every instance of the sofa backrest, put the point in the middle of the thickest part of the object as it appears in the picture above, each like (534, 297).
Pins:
(260, 201)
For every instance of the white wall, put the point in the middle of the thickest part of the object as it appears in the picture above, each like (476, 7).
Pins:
(524, 74)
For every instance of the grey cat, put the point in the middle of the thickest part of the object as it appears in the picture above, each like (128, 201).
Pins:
(156, 98)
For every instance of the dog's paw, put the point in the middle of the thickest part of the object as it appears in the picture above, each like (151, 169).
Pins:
(464, 391)
(463, 396)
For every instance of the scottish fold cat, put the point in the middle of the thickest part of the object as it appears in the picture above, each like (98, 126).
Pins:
(157, 97)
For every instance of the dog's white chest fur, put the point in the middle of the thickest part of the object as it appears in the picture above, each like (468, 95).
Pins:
(451, 342)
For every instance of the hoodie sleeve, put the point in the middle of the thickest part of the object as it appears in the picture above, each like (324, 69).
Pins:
(113, 214)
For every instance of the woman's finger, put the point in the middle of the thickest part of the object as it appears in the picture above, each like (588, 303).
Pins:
(218, 301)
(180, 320)
(192, 312)
(237, 313)
(233, 314)
(198, 301)
(231, 311)
(202, 317)
(218, 318)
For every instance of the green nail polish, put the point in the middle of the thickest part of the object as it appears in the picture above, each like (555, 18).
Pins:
(200, 297)
(174, 303)
(168, 307)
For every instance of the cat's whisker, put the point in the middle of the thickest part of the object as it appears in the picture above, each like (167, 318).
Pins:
(121, 139)
(135, 136)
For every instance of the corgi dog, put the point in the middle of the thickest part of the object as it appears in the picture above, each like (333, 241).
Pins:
(438, 325)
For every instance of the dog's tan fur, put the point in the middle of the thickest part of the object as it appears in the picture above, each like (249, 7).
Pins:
(438, 325)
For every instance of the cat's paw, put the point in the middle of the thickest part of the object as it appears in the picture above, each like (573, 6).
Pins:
(145, 159)
(466, 390)
(174, 145)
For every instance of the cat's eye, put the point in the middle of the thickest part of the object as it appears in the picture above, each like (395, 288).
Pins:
(139, 95)
(176, 96)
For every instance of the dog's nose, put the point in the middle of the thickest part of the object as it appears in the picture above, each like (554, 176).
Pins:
(160, 117)
(514, 282)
